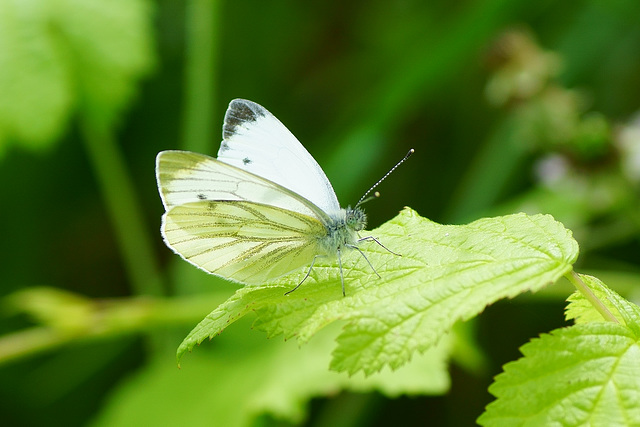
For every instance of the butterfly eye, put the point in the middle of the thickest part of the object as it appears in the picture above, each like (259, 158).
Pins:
(356, 219)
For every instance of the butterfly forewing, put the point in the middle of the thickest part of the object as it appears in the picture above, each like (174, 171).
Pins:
(256, 141)
(242, 241)
(185, 177)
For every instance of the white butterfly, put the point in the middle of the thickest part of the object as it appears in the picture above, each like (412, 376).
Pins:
(262, 209)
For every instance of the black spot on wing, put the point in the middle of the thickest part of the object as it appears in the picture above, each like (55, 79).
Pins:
(240, 111)
(202, 196)
(246, 160)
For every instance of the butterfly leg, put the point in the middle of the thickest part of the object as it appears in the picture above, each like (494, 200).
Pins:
(365, 257)
(371, 238)
(306, 275)
(341, 275)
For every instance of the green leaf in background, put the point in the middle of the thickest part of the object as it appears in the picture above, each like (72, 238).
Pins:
(56, 56)
(587, 374)
(267, 377)
(446, 273)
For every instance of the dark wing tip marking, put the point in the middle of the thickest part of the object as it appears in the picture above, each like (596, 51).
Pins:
(240, 111)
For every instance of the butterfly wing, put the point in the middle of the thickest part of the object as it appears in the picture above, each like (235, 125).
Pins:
(243, 241)
(256, 141)
(184, 177)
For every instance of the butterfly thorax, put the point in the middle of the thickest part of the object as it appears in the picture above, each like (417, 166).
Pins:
(342, 230)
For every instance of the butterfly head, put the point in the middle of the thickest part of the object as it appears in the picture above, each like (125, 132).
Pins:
(356, 219)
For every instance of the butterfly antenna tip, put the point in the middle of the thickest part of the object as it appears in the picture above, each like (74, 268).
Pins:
(364, 198)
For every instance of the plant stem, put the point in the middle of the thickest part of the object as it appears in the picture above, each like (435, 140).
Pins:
(201, 55)
(118, 191)
(575, 279)
(110, 319)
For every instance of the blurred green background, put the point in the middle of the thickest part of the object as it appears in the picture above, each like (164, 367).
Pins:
(510, 106)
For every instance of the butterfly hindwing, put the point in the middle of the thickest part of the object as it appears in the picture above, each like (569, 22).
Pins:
(243, 241)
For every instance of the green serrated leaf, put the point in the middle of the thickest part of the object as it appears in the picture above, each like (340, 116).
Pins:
(629, 312)
(446, 273)
(587, 374)
(55, 56)
(580, 308)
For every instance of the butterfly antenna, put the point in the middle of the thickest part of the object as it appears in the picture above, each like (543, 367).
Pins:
(369, 198)
(376, 194)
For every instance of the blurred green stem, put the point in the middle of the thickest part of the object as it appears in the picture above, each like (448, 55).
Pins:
(201, 55)
(125, 213)
(108, 319)
(491, 171)
(423, 68)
